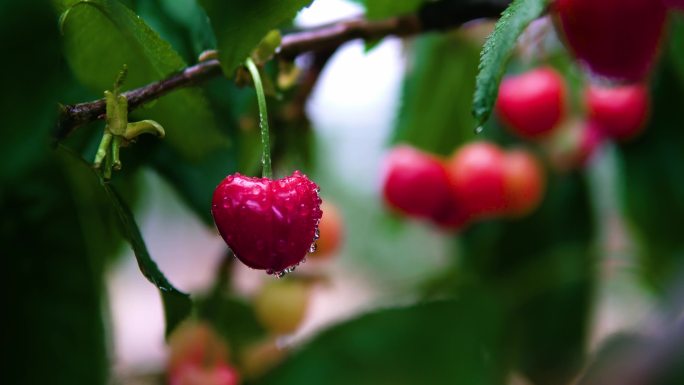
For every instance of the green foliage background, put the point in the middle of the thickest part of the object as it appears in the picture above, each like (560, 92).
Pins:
(517, 294)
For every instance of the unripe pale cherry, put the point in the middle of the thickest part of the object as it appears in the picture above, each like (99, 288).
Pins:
(525, 182)
(618, 39)
(619, 112)
(415, 183)
(477, 175)
(533, 103)
(281, 305)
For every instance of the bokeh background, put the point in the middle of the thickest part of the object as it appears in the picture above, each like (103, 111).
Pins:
(525, 301)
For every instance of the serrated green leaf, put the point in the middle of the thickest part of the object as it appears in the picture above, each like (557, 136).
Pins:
(239, 25)
(445, 342)
(498, 50)
(100, 36)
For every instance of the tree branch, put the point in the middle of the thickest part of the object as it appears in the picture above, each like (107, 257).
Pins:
(431, 17)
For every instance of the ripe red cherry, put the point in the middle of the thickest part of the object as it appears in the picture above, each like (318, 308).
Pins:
(619, 112)
(219, 374)
(532, 104)
(269, 224)
(415, 183)
(676, 4)
(615, 38)
(525, 182)
(453, 216)
(478, 182)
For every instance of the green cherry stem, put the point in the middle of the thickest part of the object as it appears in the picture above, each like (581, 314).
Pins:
(263, 119)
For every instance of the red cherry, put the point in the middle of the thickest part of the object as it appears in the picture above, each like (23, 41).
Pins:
(452, 217)
(191, 374)
(615, 38)
(525, 182)
(675, 4)
(415, 183)
(532, 104)
(269, 224)
(619, 112)
(477, 175)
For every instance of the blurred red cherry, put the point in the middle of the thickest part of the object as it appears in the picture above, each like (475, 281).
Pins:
(525, 182)
(532, 104)
(617, 39)
(618, 112)
(477, 174)
(219, 374)
(415, 183)
(675, 4)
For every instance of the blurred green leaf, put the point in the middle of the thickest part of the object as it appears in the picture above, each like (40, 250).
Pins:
(653, 186)
(100, 36)
(544, 266)
(33, 77)
(498, 50)
(378, 9)
(444, 342)
(435, 113)
(233, 318)
(53, 331)
(240, 25)
(177, 307)
(195, 182)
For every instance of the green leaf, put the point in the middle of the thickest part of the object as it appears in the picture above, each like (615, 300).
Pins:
(379, 9)
(132, 233)
(445, 342)
(109, 34)
(233, 318)
(498, 50)
(239, 25)
(543, 266)
(653, 187)
(435, 112)
(195, 182)
(177, 303)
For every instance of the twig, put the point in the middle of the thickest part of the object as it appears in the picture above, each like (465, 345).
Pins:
(432, 17)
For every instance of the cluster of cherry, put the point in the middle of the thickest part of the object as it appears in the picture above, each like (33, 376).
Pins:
(478, 181)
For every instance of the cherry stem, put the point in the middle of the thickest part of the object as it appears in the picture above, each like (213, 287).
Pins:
(267, 172)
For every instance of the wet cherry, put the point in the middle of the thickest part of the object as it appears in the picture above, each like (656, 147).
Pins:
(269, 224)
